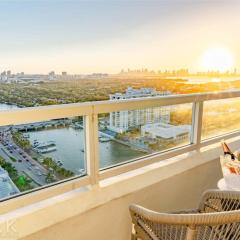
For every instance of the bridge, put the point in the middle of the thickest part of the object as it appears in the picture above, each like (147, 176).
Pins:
(40, 125)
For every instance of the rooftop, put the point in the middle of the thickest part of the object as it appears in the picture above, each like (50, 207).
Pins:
(165, 130)
(142, 92)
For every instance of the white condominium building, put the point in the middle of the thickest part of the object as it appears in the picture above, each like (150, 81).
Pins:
(125, 120)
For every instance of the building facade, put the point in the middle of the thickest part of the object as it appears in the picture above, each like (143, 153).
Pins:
(123, 121)
(166, 132)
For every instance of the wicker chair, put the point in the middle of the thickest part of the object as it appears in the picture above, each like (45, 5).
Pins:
(217, 218)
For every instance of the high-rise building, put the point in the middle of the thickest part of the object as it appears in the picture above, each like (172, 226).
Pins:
(51, 75)
(3, 76)
(123, 121)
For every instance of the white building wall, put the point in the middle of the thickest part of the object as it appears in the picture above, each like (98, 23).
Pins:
(112, 221)
(125, 120)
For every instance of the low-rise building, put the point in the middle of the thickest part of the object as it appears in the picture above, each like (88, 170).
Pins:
(166, 132)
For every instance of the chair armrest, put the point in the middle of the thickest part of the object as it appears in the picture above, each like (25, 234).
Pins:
(215, 194)
(215, 218)
(186, 211)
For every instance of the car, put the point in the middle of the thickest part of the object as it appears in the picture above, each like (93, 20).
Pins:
(19, 160)
(13, 193)
(39, 173)
(27, 160)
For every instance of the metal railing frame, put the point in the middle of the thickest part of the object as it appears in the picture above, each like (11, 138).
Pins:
(90, 111)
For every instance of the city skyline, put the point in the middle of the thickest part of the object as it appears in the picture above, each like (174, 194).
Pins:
(105, 36)
(177, 72)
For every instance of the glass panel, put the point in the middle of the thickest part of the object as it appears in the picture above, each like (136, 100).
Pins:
(220, 117)
(128, 135)
(37, 154)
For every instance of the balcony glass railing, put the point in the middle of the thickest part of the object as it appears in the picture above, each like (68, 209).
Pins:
(220, 117)
(132, 134)
(45, 146)
(37, 154)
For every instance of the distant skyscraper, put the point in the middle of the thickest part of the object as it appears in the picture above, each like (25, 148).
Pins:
(64, 73)
(3, 76)
(3, 73)
(51, 75)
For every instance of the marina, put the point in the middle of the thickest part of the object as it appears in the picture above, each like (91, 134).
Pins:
(70, 148)
(45, 147)
(68, 145)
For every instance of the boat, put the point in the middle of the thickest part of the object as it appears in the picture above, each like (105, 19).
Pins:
(104, 139)
(59, 162)
(46, 147)
(43, 144)
(81, 171)
(26, 135)
(35, 143)
(78, 125)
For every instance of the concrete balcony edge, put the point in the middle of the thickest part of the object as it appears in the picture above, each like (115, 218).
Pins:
(46, 213)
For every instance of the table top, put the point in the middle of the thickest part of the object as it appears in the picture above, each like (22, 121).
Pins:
(223, 186)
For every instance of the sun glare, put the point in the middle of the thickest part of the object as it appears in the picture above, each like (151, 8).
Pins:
(217, 59)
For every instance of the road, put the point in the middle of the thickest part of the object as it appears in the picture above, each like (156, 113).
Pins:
(24, 162)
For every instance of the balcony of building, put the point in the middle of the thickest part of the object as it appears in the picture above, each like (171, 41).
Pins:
(93, 202)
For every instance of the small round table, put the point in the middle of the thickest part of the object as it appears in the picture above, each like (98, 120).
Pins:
(223, 186)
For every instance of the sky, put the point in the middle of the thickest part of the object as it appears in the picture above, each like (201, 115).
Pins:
(38, 36)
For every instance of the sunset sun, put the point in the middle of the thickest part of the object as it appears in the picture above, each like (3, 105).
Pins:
(217, 59)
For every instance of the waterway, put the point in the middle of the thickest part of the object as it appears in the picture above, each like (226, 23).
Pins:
(71, 148)
(204, 80)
